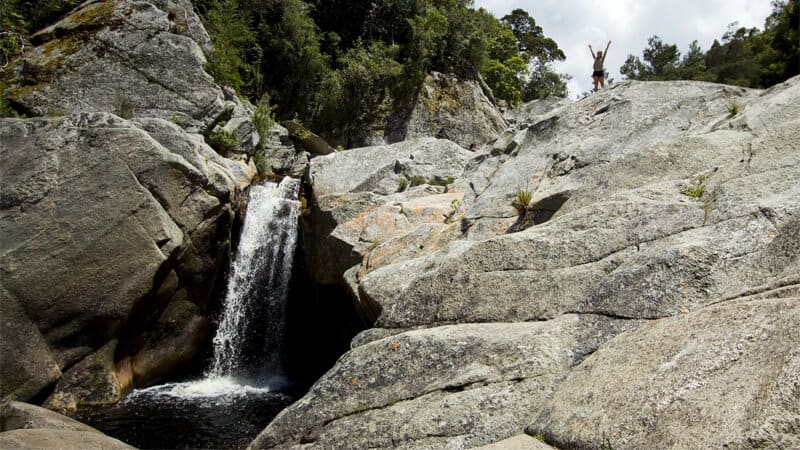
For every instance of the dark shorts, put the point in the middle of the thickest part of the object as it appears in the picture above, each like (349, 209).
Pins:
(598, 73)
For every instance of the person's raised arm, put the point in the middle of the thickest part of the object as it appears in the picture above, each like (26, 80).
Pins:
(605, 53)
(592, 51)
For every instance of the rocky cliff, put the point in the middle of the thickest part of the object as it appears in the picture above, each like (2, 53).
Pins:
(115, 211)
(647, 295)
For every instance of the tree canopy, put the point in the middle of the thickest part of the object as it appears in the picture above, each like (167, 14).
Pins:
(745, 56)
(333, 61)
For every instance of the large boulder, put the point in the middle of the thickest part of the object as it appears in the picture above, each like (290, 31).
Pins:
(670, 204)
(26, 426)
(37, 439)
(18, 415)
(102, 226)
(449, 106)
(136, 59)
(365, 198)
(726, 376)
(645, 227)
(445, 387)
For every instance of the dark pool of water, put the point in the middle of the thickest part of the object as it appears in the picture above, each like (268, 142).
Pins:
(202, 414)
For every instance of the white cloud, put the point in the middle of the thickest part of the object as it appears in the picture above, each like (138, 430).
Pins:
(628, 24)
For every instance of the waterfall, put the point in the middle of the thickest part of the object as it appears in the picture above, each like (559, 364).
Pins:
(249, 343)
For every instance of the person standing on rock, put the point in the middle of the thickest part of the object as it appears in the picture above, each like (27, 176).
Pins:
(599, 74)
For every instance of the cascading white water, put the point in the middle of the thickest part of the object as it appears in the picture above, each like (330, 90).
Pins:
(245, 384)
(249, 341)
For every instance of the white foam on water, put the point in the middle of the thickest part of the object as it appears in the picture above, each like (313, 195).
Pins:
(205, 389)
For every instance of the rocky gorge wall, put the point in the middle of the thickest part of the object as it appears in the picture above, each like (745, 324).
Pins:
(646, 298)
(117, 215)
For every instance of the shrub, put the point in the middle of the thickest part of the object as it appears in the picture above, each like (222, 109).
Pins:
(263, 119)
(694, 191)
(222, 140)
(522, 200)
(733, 108)
(417, 180)
(454, 205)
(440, 181)
(402, 184)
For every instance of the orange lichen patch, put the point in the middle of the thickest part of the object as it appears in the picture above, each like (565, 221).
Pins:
(395, 345)
(353, 380)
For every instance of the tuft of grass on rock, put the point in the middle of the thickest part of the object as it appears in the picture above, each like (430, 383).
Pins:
(521, 200)
(733, 108)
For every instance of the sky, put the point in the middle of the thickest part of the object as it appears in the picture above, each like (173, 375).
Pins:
(574, 24)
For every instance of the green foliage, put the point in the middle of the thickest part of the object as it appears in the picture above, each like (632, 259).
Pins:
(337, 62)
(364, 78)
(449, 217)
(181, 121)
(20, 18)
(222, 140)
(402, 185)
(417, 180)
(733, 108)
(504, 81)
(6, 110)
(544, 83)
(696, 189)
(522, 200)
(236, 55)
(440, 181)
(660, 62)
(744, 56)
(531, 38)
(263, 118)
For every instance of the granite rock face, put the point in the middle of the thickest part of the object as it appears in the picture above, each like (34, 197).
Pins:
(726, 376)
(366, 199)
(102, 227)
(653, 207)
(115, 210)
(26, 426)
(453, 108)
(459, 108)
(445, 387)
(26, 439)
(135, 59)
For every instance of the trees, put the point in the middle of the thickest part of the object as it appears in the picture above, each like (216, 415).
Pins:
(531, 38)
(325, 59)
(782, 33)
(744, 56)
(660, 62)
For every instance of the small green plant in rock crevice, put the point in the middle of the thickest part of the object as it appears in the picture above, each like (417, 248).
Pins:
(695, 189)
(733, 108)
(454, 205)
(417, 180)
(222, 140)
(301, 132)
(402, 184)
(522, 200)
